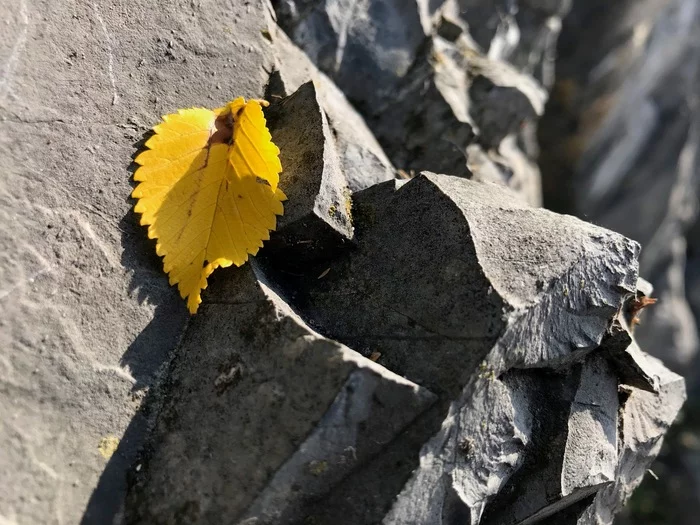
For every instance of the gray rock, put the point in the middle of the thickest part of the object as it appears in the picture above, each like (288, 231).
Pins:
(620, 147)
(574, 452)
(367, 47)
(645, 418)
(362, 158)
(89, 320)
(262, 413)
(268, 422)
(480, 445)
(644, 414)
(88, 317)
(489, 321)
(522, 33)
(430, 92)
(317, 218)
(459, 302)
(531, 427)
(631, 364)
(505, 328)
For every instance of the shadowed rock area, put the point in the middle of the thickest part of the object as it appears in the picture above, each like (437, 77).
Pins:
(620, 141)
(452, 86)
(417, 343)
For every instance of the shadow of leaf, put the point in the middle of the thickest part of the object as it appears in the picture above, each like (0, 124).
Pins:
(147, 358)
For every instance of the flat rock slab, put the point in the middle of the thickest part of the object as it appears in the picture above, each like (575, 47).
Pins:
(88, 316)
(262, 414)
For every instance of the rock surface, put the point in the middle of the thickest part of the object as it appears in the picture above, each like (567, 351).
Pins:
(88, 317)
(262, 414)
(424, 351)
(620, 144)
(521, 426)
(318, 198)
(452, 86)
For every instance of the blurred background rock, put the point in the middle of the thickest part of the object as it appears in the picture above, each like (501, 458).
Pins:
(619, 147)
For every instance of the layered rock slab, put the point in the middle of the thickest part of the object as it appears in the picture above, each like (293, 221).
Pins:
(101, 402)
(529, 401)
(444, 261)
(317, 215)
(262, 414)
(448, 86)
(89, 319)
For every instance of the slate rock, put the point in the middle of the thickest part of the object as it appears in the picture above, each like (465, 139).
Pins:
(443, 94)
(488, 391)
(263, 413)
(645, 418)
(532, 428)
(361, 45)
(317, 217)
(258, 418)
(523, 33)
(88, 316)
(362, 158)
(82, 86)
(501, 264)
(574, 450)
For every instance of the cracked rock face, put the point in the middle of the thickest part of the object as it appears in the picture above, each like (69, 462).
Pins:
(465, 359)
(620, 143)
(451, 86)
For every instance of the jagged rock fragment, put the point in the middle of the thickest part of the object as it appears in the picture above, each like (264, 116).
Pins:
(317, 218)
(442, 93)
(362, 158)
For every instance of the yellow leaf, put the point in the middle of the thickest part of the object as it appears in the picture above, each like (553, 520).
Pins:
(108, 445)
(208, 191)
